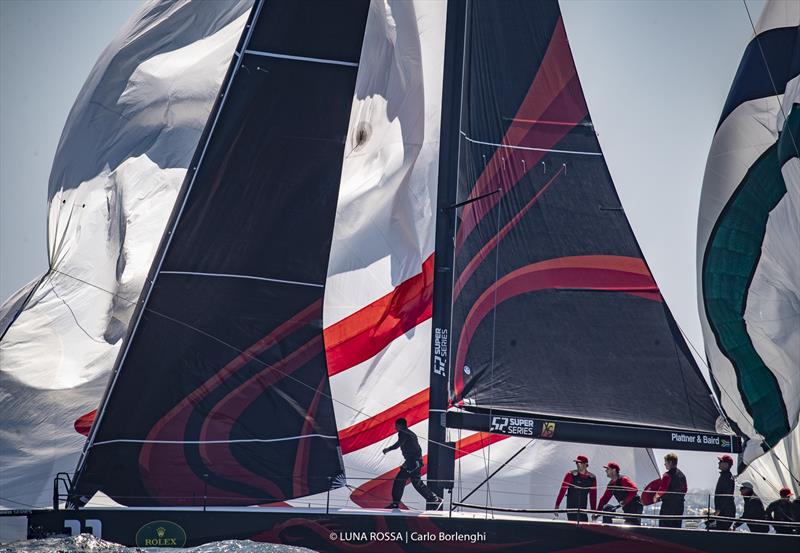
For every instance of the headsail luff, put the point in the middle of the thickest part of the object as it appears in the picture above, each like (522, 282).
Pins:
(123, 154)
(748, 231)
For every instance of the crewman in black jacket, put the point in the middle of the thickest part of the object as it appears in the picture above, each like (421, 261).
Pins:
(753, 510)
(724, 505)
(578, 485)
(780, 510)
(411, 468)
(671, 492)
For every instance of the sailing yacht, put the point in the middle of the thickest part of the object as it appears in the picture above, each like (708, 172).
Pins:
(392, 209)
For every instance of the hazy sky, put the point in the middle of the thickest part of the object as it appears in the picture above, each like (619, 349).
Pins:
(655, 75)
(47, 48)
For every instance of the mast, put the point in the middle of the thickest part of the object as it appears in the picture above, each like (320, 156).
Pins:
(439, 462)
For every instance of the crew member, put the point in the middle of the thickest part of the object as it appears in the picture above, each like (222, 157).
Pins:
(724, 505)
(780, 510)
(796, 512)
(624, 491)
(411, 468)
(753, 510)
(671, 492)
(578, 485)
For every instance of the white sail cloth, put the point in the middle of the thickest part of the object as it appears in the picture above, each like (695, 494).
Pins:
(771, 314)
(776, 469)
(780, 467)
(385, 222)
(122, 157)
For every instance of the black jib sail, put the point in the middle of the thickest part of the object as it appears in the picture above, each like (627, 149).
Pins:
(554, 309)
(221, 394)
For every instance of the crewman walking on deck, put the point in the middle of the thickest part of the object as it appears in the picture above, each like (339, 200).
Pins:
(671, 492)
(624, 491)
(412, 467)
(780, 510)
(753, 510)
(724, 505)
(578, 485)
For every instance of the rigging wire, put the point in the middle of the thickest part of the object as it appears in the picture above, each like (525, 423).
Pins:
(499, 209)
(259, 361)
(771, 78)
(18, 502)
(735, 403)
(685, 336)
(291, 377)
(71, 312)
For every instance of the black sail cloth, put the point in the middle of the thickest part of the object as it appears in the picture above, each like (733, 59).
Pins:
(222, 394)
(554, 308)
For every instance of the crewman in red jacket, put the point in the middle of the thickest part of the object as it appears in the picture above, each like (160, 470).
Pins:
(578, 485)
(624, 491)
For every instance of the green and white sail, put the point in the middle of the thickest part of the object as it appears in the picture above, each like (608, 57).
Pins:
(749, 239)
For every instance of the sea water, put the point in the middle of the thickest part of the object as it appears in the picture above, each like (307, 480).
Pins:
(88, 543)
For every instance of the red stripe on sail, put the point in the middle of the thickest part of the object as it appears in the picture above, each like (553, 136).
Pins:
(379, 427)
(164, 467)
(220, 421)
(378, 491)
(611, 273)
(303, 456)
(369, 330)
(554, 95)
(83, 425)
(490, 245)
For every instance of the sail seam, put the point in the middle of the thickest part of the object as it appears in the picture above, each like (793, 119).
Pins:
(243, 441)
(530, 148)
(249, 277)
(301, 58)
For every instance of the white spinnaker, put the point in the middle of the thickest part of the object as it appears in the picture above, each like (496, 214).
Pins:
(383, 235)
(120, 162)
(776, 469)
(774, 301)
(772, 312)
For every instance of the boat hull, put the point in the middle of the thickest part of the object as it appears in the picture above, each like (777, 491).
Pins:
(376, 531)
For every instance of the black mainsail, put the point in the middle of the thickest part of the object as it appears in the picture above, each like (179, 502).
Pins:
(222, 388)
(554, 309)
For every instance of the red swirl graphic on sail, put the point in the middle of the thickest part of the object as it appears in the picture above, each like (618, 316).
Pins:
(164, 469)
(554, 95)
(611, 273)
